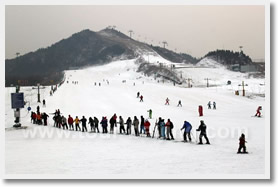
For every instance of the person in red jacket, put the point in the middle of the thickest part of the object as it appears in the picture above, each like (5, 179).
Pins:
(141, 98)
(200, 110)
(147, 127)
(258, 114)
(70, 122)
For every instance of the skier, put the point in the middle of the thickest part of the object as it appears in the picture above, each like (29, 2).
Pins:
(44, 117)
(214, 105)
(142, 129)
(167, 101)
(158, 127)
(34, 117)
(162, 127)
(59, 121)
(258, 114)
(168, 126)
(38, 109)
(179, 104)
(128, 128)
(39, 120)
(138, 94)
(209, 105)
(96, 124)
(147, 127)
(187, 130)
(64, 122)
(141, 98)
(43, 103)
(136, 125)
(203, 129)
(70, 122)
(122, 127)
(77, 123)
(113, 121)
(150, 113)
(83, 121)
(242, 144)
(104, 125)
(200, 110)
(92, 125)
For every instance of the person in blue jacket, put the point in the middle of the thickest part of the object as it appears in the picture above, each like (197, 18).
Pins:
(187, 130)
(162, 128)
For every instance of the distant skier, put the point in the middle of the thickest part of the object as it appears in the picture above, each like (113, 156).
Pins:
(122, 127)
(162, 128)
(179, 104)
(39, 120)
(92, 124)
(113, 121)
(138, 94)
(77, 124)
(214, 105)
(147, 127)
(169, 126)
(200, 110)
(141, 98)
(187, 130)
(242, 144)
(38, 109)
(142, 127)
(128, 128)
(34, 117)
(43, 102)
(83, 123)
(136, 126)
(96, 121)
(104, 125)
(70, 122)
(64, 122)
(258, 114)
(203, 133)
(209, 105)
(167, 101)
(158, 127)
(150, 113)
(44, 117)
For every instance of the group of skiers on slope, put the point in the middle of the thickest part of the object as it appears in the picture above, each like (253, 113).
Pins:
(214, 105)
(38, 117)
(143, 125)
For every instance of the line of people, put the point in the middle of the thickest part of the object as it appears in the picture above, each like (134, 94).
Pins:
(140, 127)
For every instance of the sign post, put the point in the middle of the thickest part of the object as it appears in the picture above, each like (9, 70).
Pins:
(17, 100)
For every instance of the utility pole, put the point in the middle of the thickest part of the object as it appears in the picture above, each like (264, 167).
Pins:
(17, 54)
(39, 100)
(207, 79)
(243, 91)
(130, 33)
(164, 43)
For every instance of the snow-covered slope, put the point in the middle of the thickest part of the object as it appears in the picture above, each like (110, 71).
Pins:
(117, 156)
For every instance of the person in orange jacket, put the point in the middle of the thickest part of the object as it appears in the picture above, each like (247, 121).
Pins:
(76, 120)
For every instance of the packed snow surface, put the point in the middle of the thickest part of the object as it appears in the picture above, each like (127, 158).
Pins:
(48, 150)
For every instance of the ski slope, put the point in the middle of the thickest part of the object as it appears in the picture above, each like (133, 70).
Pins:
(48, 150)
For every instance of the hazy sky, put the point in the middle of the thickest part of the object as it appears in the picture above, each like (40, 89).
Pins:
(195, 30)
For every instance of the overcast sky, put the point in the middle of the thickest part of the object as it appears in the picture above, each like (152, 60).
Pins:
(195, 30)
